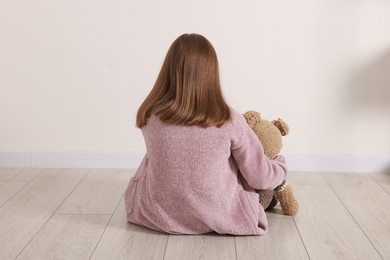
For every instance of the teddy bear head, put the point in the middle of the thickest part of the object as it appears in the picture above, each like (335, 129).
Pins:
(269, 133)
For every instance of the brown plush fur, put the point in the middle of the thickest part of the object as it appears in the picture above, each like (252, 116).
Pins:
(270, 135)
(287, 200)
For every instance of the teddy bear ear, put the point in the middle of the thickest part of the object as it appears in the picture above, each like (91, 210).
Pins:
(282, 126)
(252, 118)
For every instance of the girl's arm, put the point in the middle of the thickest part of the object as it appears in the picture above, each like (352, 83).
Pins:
(259, 171)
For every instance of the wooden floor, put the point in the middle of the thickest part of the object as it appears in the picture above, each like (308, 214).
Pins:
(79, 214)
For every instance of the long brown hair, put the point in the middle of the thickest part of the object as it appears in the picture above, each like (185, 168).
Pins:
(188, 86)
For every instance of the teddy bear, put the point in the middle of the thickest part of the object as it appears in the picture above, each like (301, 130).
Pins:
(270, 135)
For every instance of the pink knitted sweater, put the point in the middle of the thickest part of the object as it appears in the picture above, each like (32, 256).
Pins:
(196, 180)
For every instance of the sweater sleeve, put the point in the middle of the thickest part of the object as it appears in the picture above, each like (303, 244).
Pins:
(258, 170)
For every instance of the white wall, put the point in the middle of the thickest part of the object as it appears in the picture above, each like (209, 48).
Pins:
(73, 73)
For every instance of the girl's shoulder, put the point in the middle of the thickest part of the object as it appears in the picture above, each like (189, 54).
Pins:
(238, 119)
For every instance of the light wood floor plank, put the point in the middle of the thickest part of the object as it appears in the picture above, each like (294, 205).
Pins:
(26, 174)
(123, 240)
(368, 204)
(341, 216)
(98, 193)
(281, 242)
(383, 180)
(9, 189)
(326, 227)
(67, 237)
(8, 173)
(24, 215)
(16, 182)
(209, 246)
(312, 178)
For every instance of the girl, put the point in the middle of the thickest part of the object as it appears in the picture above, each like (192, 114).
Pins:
(203, 162)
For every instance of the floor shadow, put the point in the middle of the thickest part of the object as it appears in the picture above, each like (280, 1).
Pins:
(275, 211)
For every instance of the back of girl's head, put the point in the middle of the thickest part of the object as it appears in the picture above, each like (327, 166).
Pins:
(188, 86)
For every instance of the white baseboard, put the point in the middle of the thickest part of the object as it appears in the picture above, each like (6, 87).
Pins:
(21, 158)
(131, 160)
(85, 159)
(337, 163)
(70, 159)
